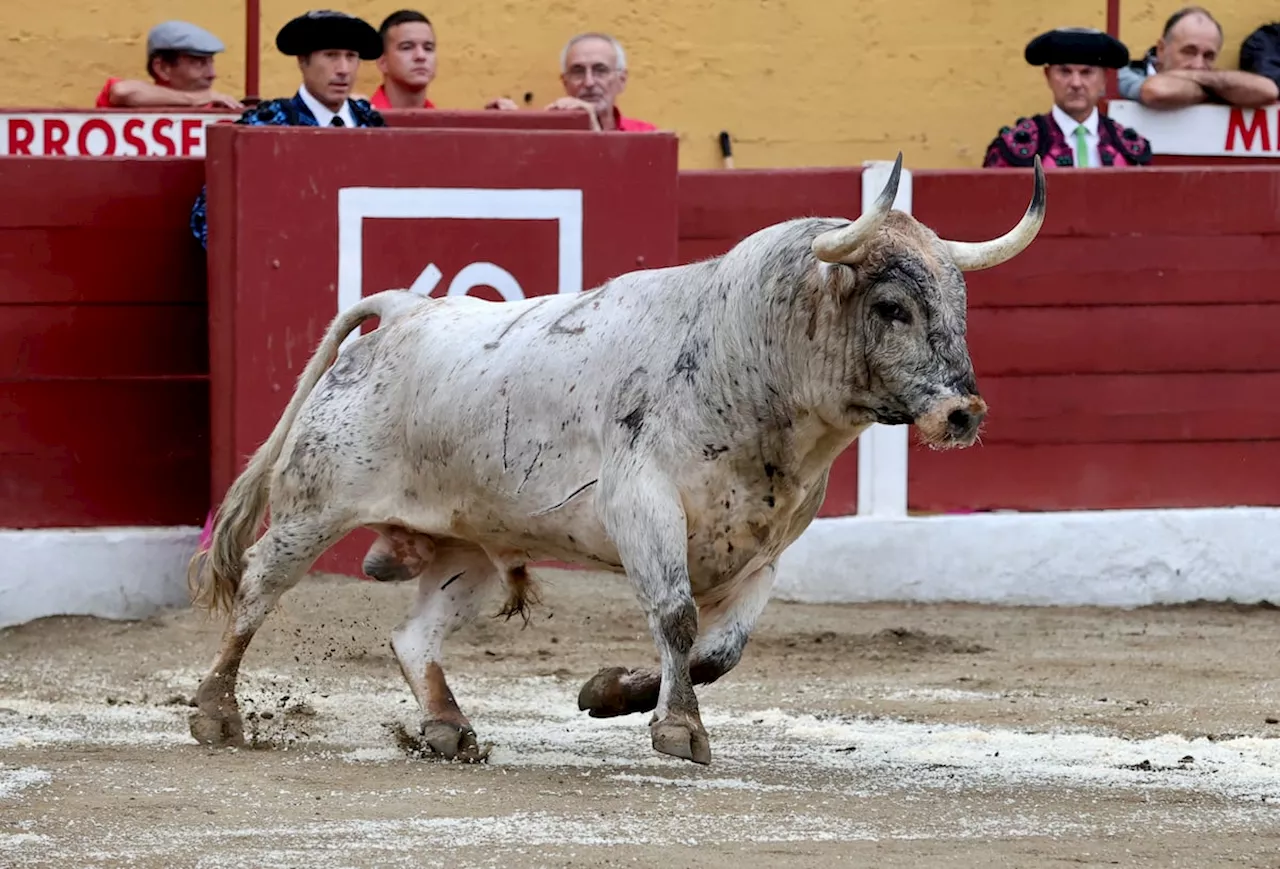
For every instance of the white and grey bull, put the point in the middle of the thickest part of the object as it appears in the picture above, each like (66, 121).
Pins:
(675, 424)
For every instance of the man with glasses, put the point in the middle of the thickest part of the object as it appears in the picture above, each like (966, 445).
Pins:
(593, 69)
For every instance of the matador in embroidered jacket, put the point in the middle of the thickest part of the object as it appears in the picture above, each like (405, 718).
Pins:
(329, 47)
(1074, 133)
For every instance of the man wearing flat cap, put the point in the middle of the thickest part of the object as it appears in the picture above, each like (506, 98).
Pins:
(1073, 132)
(329, 47)
(180, 63)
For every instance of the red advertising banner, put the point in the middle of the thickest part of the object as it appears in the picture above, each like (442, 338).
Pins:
(105, 133)
(169, 133)
(303, 222)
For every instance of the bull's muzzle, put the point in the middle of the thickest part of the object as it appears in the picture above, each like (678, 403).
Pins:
(952, 422)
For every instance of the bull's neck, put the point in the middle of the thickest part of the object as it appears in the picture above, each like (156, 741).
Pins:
(771, 363)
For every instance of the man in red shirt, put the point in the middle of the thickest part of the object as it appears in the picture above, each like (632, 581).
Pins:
(408, 62)
(593, 70)
(180, 62)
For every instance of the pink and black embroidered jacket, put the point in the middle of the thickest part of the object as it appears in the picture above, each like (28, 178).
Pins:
(1040, 134)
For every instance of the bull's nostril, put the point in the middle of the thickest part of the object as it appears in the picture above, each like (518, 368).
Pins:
(959, 420)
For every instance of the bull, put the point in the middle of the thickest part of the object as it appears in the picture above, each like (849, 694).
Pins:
(676, 425)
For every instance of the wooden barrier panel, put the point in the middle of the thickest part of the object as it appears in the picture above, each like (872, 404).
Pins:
(103, 354)
(524, 119)
(350, 213)
(1129, 356)
(167, 131)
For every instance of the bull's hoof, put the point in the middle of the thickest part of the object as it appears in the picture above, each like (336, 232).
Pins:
(603, 695)
(681, 739)
(448, 741)
(221, 729)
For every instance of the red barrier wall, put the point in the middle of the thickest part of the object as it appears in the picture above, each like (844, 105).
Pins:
(1126, 355)
(486, 119)
(103, 352)
(1130, 355)
(364, 211)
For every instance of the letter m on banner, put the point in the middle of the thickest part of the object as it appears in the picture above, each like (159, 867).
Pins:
(498, 244)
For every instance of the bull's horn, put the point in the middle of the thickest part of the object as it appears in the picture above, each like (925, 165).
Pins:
(841, 245)
(972, 256)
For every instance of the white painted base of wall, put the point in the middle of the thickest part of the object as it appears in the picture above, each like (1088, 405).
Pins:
(115, 573)
(1107, 558)
(1118, 558)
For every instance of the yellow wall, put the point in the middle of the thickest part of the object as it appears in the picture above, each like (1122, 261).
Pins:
(796, 82)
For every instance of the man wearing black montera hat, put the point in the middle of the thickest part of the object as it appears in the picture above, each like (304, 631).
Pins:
(1073, 132)
(329, 47)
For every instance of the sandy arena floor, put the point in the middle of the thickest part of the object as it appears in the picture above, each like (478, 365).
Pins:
(885, 735)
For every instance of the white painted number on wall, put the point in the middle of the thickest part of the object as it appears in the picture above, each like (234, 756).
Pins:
(475, 275)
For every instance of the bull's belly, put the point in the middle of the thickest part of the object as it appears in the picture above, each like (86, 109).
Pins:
(526, 508)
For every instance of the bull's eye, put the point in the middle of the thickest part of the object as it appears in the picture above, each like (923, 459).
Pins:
(891, 312)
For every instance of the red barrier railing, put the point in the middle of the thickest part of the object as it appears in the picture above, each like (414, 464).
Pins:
(1126, 355)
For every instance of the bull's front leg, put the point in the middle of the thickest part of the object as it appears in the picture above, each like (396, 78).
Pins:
(727, 624)
(644, 517)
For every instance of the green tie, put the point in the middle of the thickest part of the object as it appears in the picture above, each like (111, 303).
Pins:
(1082, 148)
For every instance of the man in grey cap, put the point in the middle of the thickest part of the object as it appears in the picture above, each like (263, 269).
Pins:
(180, 62)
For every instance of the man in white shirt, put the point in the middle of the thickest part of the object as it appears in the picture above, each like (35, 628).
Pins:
(329, 47)
(1073, 133)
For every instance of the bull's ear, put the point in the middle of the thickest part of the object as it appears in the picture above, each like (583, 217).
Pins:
(840, 280)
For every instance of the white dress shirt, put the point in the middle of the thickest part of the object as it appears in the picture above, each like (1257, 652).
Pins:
(1068, 125)
(322, 113)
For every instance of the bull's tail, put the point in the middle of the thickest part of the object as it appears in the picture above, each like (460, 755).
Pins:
(213, 574)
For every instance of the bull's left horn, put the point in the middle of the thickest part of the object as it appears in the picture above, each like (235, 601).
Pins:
(972, 256)
(841, 245)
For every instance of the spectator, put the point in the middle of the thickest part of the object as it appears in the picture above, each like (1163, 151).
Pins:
(1073, 132)
(329, 47)
(593, 70)
(180, 63)
(408, 62)
(1179, 70)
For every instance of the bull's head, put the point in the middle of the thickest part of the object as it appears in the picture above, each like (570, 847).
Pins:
(900, 294)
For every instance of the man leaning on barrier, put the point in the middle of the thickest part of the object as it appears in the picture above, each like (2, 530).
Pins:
(1179, 70)
(593, 71)
(180, 61)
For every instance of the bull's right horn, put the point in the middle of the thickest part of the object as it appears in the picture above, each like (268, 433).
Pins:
(971, 256)
(841, 245)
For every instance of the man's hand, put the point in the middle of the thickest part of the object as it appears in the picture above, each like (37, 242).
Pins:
(502, 104)
(1185, 87)
(215, 99)
(570, 104)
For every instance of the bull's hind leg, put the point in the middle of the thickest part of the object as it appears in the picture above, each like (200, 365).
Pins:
(726, 625)
(273, 565)
(450, 592)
